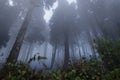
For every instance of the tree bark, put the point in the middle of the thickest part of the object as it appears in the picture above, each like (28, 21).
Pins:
(66, 54)
(12, 58)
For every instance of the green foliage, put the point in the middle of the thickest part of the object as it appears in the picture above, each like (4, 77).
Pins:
(105, 68)
(55, 75)
(85, 70)
(16, 71)
(112, 75)
(109, 51)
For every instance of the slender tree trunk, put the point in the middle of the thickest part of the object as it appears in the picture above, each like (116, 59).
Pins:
(79, 51)
(45, 49)
(28, 53)
(73, 54)
(53, 56)
(92, 45)
(83, 49)
(78, 45)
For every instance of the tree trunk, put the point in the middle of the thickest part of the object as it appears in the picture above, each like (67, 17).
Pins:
(19, 39)
(92, 45)
(53, 56)
(45, 49)
(29, 54)
(66, 54)
(73, 53)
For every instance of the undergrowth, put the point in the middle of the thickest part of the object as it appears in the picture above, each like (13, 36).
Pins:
(107, 67)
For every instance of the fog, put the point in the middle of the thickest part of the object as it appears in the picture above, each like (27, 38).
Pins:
(60, 30)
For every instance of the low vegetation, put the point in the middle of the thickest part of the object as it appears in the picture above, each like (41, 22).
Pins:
(106, 67)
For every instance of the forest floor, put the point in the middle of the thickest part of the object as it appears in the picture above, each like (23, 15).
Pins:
(106, 67)
(85, 70)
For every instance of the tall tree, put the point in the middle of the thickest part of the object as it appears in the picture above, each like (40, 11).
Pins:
(19, 39)
(63, 28)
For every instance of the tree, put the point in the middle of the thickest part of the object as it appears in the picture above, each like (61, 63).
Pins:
(64, 29)
(21, 34)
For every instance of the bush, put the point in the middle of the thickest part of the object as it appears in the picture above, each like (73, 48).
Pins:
(109, 51)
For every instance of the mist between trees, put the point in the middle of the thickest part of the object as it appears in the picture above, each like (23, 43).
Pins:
(68, 36)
